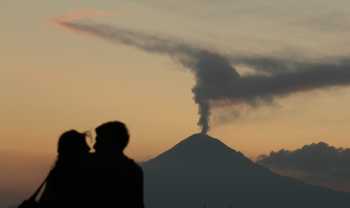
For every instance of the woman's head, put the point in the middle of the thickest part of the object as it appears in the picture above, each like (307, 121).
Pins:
(72, 144)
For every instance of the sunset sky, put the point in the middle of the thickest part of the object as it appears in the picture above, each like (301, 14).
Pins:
(54, 79)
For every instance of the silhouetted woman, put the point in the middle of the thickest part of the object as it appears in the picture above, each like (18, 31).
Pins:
(67, 182)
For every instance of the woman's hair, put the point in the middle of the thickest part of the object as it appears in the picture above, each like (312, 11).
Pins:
(71, 144)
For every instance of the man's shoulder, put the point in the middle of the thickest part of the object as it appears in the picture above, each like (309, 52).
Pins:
(117, 163)
(133, 165)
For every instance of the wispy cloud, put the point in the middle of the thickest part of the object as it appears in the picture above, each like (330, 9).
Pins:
(78, 15)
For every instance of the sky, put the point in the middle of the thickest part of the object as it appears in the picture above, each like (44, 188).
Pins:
(54, 80)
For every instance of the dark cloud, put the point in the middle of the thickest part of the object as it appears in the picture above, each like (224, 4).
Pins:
(217, 77)
(320, 164)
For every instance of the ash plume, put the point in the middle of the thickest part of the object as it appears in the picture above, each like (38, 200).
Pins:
(216, 74)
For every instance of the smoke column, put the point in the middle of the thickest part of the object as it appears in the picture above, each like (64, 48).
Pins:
(217, 79)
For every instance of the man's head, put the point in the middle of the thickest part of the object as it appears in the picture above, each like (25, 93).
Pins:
(111, 137)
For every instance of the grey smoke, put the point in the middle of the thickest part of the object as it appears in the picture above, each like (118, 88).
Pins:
(217, 78)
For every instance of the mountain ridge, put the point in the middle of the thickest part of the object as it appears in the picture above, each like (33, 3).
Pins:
(202, 170)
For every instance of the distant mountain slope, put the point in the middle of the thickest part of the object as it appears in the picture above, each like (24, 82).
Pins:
(202, 171)
(319, 163)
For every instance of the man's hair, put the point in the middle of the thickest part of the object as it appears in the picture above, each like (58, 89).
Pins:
(114, 133)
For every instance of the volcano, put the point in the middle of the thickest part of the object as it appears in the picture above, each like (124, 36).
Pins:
(201, 171)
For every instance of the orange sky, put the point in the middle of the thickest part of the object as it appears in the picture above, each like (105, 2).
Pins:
(54, 80)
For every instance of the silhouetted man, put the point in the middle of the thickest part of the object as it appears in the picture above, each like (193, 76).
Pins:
(118, 180)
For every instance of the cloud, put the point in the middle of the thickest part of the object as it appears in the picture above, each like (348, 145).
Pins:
(319, 163)
(218, 81)
(78, 15)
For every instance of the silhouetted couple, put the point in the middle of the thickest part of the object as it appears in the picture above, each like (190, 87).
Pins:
(105, 178)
